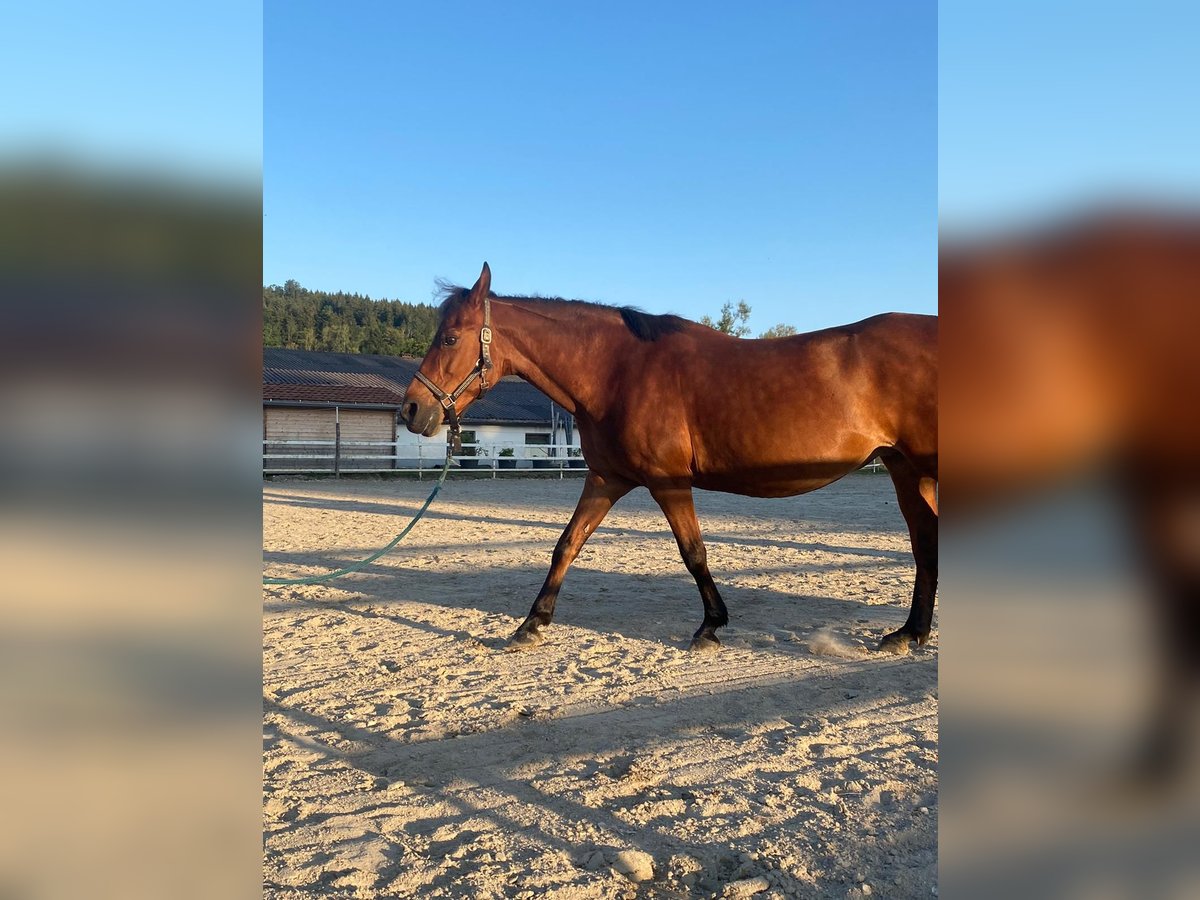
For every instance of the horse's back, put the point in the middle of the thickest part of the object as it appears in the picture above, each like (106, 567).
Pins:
(888, 374)
(784, 415)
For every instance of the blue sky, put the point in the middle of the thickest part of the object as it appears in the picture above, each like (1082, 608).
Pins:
(670, 156)
(135, 85)
(1048, 107)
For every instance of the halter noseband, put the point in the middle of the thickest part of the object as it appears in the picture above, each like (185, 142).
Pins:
(482, 367)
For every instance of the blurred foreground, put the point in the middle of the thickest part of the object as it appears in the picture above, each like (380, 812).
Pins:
(1069, 425)
(129, 535)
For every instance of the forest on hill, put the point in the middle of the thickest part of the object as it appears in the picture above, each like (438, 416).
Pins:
(296, 318)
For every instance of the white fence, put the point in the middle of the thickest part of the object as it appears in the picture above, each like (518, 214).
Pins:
(341, 457)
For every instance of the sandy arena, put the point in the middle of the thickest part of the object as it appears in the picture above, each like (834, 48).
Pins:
(407, 755)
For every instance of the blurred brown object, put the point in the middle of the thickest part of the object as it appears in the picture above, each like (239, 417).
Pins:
(1074, 349)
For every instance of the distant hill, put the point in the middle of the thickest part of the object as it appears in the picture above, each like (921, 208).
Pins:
(296, 318)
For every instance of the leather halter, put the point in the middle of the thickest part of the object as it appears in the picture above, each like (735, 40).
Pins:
(482, 367)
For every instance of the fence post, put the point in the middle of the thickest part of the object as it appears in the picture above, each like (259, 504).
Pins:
(337, 443)
(420, 461)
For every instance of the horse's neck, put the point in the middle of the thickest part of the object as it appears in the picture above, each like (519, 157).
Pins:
(545, 352)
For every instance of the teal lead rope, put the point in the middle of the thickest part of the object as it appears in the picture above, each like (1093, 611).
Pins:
(354, 567)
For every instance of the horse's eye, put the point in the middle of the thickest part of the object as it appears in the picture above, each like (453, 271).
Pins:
(450, 340)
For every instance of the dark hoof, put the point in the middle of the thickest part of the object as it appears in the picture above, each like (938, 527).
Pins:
(705, 643)
(524, 639)
(898, 642)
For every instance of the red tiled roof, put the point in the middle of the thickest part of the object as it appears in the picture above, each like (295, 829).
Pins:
(276, 375)
(298, 376)
(326, 393)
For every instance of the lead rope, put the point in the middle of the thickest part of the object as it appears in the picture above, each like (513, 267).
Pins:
(453, 445)
(354, 567)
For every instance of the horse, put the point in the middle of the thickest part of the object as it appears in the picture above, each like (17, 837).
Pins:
(671, 405)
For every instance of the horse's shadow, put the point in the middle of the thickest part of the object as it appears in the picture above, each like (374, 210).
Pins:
(409, 589)
(570, 751)
(593, 598)
(771, 620)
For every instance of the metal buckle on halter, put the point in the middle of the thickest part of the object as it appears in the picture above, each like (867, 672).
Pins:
(485, 335)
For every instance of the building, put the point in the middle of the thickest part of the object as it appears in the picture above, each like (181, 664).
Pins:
(338, 412)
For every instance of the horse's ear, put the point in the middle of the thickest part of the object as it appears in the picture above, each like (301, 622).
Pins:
(483, 286)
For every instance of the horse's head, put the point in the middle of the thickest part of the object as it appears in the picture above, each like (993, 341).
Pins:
(457, 369)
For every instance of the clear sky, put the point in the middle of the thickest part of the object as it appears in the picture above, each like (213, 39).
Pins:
(1044, 108)
(671, 156)
(135, 85)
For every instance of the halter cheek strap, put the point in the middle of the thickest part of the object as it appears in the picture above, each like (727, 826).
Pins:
(482, 367)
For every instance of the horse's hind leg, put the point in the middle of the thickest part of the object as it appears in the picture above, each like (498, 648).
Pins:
(1166, 508)
(914, 493)
(599, 495)
(677, 505)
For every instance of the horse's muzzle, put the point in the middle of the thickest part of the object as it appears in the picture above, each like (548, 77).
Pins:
(421, 418)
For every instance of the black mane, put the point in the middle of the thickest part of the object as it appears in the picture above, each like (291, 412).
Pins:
(648, 327)
(642, 325)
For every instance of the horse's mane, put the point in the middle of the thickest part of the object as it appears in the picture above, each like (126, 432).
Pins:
(642, 325)
(648, 326)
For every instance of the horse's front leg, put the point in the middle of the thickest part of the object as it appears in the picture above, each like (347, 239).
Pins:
(676, 503)
(599, 495)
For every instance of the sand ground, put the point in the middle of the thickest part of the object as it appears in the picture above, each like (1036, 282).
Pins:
(407, 755)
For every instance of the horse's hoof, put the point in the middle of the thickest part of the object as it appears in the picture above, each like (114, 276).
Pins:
(524, 640)
(898, 642)
(705, 643)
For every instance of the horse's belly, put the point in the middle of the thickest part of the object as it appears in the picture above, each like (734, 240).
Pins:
(789, 460)
(768, 484)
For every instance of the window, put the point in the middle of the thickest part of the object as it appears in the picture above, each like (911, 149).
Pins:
(538, 439)
(468, 437)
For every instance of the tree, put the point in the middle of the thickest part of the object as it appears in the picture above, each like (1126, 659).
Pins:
(780, 330)
(295, 317)
(733, 321)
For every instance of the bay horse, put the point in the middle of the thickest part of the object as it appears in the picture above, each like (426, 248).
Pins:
(668, 404)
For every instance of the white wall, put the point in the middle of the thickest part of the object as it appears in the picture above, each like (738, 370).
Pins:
(489, 438)
(494, 438)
